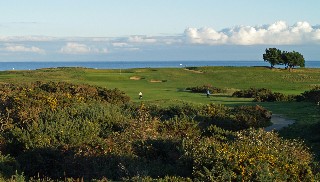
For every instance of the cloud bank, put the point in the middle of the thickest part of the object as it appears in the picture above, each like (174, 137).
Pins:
(22, 48)
(192, 43)
(77, 48)
(278, 33)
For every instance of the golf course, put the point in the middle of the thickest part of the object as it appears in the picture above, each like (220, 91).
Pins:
(169, 91)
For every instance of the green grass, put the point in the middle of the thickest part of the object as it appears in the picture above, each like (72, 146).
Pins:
(173, 81)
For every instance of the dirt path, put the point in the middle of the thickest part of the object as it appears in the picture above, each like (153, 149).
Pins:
(279, 122)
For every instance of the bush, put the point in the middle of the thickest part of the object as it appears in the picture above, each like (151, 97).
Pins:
(263, 95)
(204, 88)
(252, 92)
(245, 117)
(254, 155)
(312, 95)
(22, 104)
(237, 118)
(8, 166)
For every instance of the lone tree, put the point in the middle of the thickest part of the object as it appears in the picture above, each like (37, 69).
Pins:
(289, 59)
(273, 56)
(292, 59)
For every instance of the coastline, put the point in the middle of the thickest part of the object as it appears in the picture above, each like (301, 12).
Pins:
(6, 66)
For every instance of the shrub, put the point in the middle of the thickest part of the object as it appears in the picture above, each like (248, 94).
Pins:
(263, 95)
(254, 155)
(312, 95)
(22, 104)
(237, 118)
(245, 117)
(166, 113)
(251, 92)
(8, 166)
(204, 88)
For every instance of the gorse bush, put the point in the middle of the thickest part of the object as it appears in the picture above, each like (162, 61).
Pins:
(263, 95)
(312, 95)
(236, 118)
(245, 117)
(8, 165)
(254, 155)
(204, 88)
(251, 92)
(60, 131)
(22, 104)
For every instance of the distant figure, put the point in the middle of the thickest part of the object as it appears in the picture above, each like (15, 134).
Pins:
(208, 93)
(140, 95)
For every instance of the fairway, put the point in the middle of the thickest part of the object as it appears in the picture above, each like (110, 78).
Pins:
(169, 84)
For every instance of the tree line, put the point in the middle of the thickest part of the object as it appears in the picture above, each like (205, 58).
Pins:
(289, 59)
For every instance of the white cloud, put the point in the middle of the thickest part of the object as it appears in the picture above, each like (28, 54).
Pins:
(278, 33)
(76, 48)
(205, 36)
(26, 38)
(141, 39)
(120, 44)
(22, 48)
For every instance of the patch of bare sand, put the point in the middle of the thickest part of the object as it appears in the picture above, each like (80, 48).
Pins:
(135, 78)
(155, 81)
(278, 122)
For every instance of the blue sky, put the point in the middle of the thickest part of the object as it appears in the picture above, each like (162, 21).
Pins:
(106, 30)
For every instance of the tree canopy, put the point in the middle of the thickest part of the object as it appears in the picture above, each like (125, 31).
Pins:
(289, 59)
(273, 56)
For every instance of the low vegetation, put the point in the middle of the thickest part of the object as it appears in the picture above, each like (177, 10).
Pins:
(58, 131)
(263, 95)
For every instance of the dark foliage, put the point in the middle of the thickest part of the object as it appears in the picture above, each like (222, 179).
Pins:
(312, 95)
(204, 88)
(263, 95)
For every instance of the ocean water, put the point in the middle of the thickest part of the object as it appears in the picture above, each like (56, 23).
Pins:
(134, 64)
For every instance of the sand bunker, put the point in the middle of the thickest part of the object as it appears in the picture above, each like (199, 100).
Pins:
(135, 78)
(156, 81)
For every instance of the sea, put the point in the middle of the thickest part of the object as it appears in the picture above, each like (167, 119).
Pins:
(6, 66)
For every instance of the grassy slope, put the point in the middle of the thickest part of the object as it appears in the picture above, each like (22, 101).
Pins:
(175, 80)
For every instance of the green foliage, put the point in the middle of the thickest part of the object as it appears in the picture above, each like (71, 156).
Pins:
(204, 88)
(252, 92)
(292, 59)
(8, 166)
(254, 155)
(263, 95)
(273, 56)
(236, 118)
(183, 110)
(289, 59)
(312, 95)
(245, 117)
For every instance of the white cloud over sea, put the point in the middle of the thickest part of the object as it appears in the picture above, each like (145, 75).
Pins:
(191, 43)
(278, 33)
(77, 48)
(22, 48)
